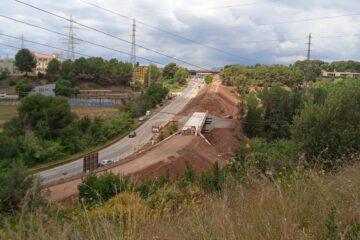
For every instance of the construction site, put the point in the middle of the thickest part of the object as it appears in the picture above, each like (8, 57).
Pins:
(208, 133)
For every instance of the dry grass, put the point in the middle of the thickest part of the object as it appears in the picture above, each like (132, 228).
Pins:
(6, 113)
(93, 112)
(296, 209)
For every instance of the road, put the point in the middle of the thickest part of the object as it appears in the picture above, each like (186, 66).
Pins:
(127, 146)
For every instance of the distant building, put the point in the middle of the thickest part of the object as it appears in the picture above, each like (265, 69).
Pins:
(46, 90)
(340, 74)
(7, 64)
(139, 74)
(42, 61)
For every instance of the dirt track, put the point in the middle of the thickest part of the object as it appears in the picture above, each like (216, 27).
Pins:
(170, 156)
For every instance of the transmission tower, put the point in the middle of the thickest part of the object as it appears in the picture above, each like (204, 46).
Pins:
(133, 44)
(22, 41)
(309, 48)
(71, 41)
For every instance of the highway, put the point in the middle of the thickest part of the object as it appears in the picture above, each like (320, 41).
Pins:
(127, 146)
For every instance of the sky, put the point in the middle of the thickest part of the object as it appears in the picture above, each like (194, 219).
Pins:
(228, 32)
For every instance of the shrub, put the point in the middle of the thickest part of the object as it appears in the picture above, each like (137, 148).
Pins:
(23, 88)
(253, 123)
(99, 189)
(331, 130)
(209, 79)
(14, 183)
(278, 156)
(63, 88)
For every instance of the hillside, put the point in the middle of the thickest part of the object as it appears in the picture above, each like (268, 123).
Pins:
(309, 205)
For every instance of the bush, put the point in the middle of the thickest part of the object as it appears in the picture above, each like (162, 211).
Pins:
(209, 79)
(99, 189)
(14, 184)
(278, 156)
(23, 88)
(253, 123)
(181, 75)
(330, 130)
(63, 88)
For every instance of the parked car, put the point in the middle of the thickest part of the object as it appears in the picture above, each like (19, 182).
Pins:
(229, 117)
(105, 162)
(141, 119)
(148, 113)
(132, 134)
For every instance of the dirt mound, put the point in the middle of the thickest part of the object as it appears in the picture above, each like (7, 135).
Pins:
(217, 99)
(198, 153)
(225, 141)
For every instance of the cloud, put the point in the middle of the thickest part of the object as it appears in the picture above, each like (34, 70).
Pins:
(244, 33)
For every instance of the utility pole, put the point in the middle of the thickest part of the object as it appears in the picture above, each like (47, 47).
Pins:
(71, 41)
(133, 44)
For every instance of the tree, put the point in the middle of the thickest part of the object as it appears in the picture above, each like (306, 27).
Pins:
(63, 88)
(181, 75)
(328, 131)
(23, 88)
(169, 71)
(67, 70)
(152, 75)
(53, 69)
(45, 115)
(253, 123)
(280, 107)
(25, 61)
(14, 184)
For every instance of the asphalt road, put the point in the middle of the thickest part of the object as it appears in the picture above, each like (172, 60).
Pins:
(127, 146)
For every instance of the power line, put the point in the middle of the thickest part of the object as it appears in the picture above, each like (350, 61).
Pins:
(167, 32)
(109, 35)
(45, 45)
(284, 22)
(76, 38)
(210, 8)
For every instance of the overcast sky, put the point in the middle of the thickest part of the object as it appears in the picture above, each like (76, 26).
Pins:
(243, 31)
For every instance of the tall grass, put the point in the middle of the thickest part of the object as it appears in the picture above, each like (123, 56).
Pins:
(310, 205)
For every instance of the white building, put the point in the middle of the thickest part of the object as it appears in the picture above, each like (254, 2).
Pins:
(7, 64)
(340, 74)
(46, 90)
(195, 124)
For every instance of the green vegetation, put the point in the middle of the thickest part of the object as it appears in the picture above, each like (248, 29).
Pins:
(152, 96)
(25, 61)
(53, 69)
(46, 130)
(327, 130)
(174, 77)
(209, 79)
(98, 70)
(23, 88)
(64, 88)
(153, 75)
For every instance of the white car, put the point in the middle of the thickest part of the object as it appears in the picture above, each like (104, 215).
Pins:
(141, 119)
(105, 162)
